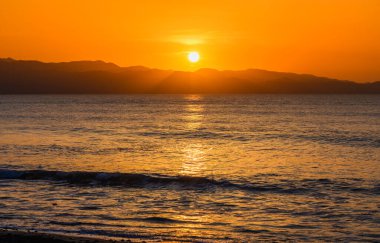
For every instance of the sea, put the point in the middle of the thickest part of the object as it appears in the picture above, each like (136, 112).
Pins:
(192, 168)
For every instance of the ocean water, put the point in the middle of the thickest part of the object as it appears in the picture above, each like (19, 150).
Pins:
(192, 167)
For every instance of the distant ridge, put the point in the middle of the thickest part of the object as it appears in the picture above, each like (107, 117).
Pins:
(98, 77)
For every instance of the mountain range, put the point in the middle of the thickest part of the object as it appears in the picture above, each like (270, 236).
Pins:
(98, 77)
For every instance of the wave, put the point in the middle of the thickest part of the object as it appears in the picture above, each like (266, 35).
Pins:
(128, 180)
(331, 138)
(114, 179)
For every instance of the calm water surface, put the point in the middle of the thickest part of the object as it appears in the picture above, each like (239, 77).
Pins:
(192, 167)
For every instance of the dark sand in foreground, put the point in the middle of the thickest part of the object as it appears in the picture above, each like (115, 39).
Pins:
(12, 236)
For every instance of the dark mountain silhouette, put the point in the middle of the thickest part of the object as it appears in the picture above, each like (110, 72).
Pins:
(98, 77)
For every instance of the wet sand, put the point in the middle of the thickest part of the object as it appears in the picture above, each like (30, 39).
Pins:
(13, 236)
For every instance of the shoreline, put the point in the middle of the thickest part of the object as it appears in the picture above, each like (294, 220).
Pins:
(15, 236)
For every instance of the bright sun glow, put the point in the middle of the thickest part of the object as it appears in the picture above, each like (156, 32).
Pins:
(193, 56)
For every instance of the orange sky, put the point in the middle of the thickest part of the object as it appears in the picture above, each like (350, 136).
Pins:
(335, 38)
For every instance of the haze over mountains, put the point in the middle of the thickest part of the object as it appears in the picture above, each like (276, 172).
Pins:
(98, 77)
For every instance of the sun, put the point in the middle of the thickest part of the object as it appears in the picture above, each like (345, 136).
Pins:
(193, 56)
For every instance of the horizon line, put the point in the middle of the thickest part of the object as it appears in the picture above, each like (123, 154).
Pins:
(187, 71)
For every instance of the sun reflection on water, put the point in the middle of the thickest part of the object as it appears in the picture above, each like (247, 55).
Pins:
(193, 159)
(193, 153)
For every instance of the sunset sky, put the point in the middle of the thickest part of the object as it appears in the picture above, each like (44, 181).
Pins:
(334, 38)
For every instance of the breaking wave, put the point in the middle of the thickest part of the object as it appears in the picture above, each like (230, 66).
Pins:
(129, 180)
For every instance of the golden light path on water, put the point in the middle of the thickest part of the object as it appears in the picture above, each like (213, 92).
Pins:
(194, 153)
